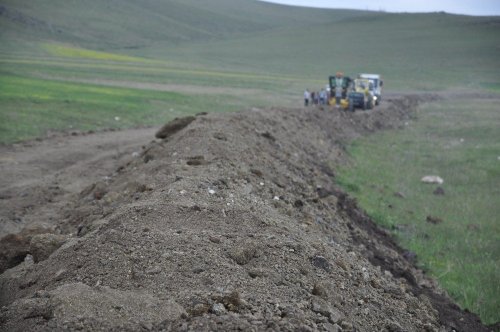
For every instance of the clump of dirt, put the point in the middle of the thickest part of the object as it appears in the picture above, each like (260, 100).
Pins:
(234, 222)
(174, 126)
(15, 247)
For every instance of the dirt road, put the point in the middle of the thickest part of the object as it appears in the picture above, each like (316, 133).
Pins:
(233, 222)
(35, 174)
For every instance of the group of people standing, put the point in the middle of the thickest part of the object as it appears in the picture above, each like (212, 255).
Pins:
(316, 98)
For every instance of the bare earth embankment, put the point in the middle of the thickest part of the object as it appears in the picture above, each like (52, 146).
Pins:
(232, 222)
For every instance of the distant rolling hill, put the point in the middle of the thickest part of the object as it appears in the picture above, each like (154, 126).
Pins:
(136, 24)
(416, 51)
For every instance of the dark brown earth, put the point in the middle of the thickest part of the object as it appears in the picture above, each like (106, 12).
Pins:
(232, 222)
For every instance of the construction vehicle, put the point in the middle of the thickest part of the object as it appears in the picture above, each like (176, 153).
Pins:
(363, 92)
(361, 95)
(339, 83)
(377, 84)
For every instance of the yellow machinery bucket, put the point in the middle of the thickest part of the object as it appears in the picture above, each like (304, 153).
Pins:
(344, 103)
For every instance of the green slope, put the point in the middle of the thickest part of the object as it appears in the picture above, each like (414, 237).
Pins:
(135, 24)
(417, 51)
(413, 51)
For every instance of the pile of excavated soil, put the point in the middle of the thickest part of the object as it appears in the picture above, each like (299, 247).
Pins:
(232, 221)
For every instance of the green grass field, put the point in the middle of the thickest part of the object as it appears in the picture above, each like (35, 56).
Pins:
(73, 88)
(64, 106)
(256, 53)
(83, 65)
(460, 142)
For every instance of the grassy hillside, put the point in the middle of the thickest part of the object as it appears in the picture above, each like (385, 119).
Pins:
(458, 140)
(413, 51)
(129, 24)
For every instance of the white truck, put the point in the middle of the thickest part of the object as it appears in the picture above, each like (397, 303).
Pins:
(375, 86)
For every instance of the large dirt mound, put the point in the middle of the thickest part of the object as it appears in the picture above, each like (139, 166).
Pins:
(232, 222)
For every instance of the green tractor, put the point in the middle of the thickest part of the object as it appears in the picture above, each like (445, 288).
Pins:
(339, 84)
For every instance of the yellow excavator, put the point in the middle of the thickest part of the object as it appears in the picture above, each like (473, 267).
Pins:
(350, 94)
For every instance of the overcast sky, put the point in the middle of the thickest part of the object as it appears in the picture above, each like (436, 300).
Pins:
(468, 7)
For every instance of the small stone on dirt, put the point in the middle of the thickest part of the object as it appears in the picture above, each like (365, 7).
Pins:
(298, 204)
(322, 307)
(320, 290)
(321, 263)
(147, 158)
(255, 273)
(218, 309)
(199, 309)
(220, 136)
(243, 255)
(81, 230)
(153, 270)
(257, 172)
(343, 265)
(269, 136)
(214, 239)
(196, 161)
(233, 301)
